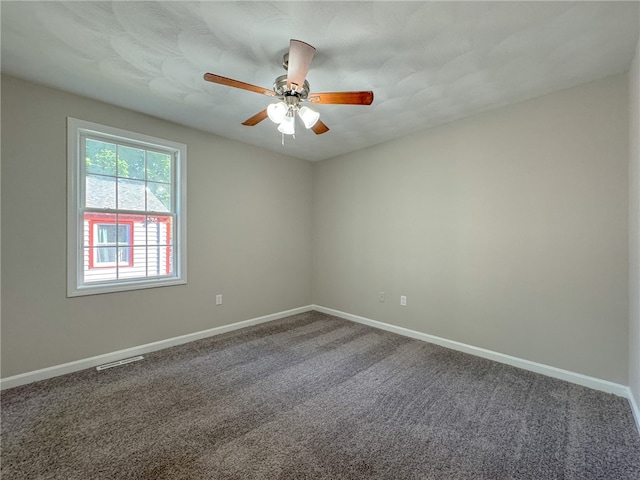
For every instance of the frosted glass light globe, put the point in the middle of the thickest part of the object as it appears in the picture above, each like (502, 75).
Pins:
(309, 117)
(287, 126)
(277, 111)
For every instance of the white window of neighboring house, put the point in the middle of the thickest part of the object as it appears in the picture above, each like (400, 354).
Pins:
(112, 244)
(126, 216)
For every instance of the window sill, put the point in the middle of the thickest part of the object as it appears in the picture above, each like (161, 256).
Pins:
(122, 287)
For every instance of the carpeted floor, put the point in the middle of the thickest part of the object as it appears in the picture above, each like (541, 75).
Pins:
(314, 396)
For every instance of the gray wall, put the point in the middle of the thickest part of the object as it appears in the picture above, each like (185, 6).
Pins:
(634, 226)
(507, 231)
(249, 237)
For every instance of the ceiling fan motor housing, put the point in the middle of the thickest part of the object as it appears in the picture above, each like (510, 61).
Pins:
(280, 88)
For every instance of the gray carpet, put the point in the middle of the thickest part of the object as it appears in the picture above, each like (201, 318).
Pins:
(314, 396)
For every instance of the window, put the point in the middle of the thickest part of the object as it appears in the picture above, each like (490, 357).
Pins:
(112, 243)
(126, 210)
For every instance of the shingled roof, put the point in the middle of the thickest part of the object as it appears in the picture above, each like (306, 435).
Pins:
(100, 192)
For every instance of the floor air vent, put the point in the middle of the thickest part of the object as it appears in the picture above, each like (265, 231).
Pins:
(119, 362)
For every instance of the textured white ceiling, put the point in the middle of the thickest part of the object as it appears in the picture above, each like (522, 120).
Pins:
(428, 63)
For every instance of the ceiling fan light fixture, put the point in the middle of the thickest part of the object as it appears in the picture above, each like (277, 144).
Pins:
(277, 112)
(288, 125)
(291, 90)
(309, 117)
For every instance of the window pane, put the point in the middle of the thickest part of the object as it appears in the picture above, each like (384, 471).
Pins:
(100, 191)
(159, 167)
(159, 261)
(123, 234)
(91, 222)
(131, 194)
(130, 162)
(158, 230)
(158, 197)
(138, 268)
(151, 233)
(166, 230)
(123, 255)
(105, 255)
(97, 274)
(140, 261)
(105, 234)
(100, 157)
(166, 260)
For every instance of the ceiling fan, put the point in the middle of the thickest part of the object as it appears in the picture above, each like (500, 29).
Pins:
(292, 90)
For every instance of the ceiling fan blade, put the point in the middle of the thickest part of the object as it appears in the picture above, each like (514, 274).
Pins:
(319, 128)
(230, 82)
(342, 98)
(256, 119)
(300, 56)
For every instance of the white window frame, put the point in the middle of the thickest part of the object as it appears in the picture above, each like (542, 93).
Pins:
(76, 129)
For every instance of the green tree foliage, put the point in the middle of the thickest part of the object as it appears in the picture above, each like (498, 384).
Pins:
(159, 167)
(132, 163)
(101, 158)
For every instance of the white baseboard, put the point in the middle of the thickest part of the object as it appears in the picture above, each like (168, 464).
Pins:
(578, 378)
(85, 363)
(634, 408)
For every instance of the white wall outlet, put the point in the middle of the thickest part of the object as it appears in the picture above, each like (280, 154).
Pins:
(381, 296)
(403, 300)
(218, 299)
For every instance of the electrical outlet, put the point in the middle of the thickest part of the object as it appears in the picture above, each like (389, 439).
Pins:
(381, 296)
(218, 299)
(403, 300)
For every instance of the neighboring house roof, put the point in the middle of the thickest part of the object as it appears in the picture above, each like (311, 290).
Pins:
(101, 193)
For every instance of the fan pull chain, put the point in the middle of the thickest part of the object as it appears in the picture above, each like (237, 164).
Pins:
(294, 137)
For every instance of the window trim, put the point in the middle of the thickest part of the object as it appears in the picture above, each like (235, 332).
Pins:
(75, 230)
